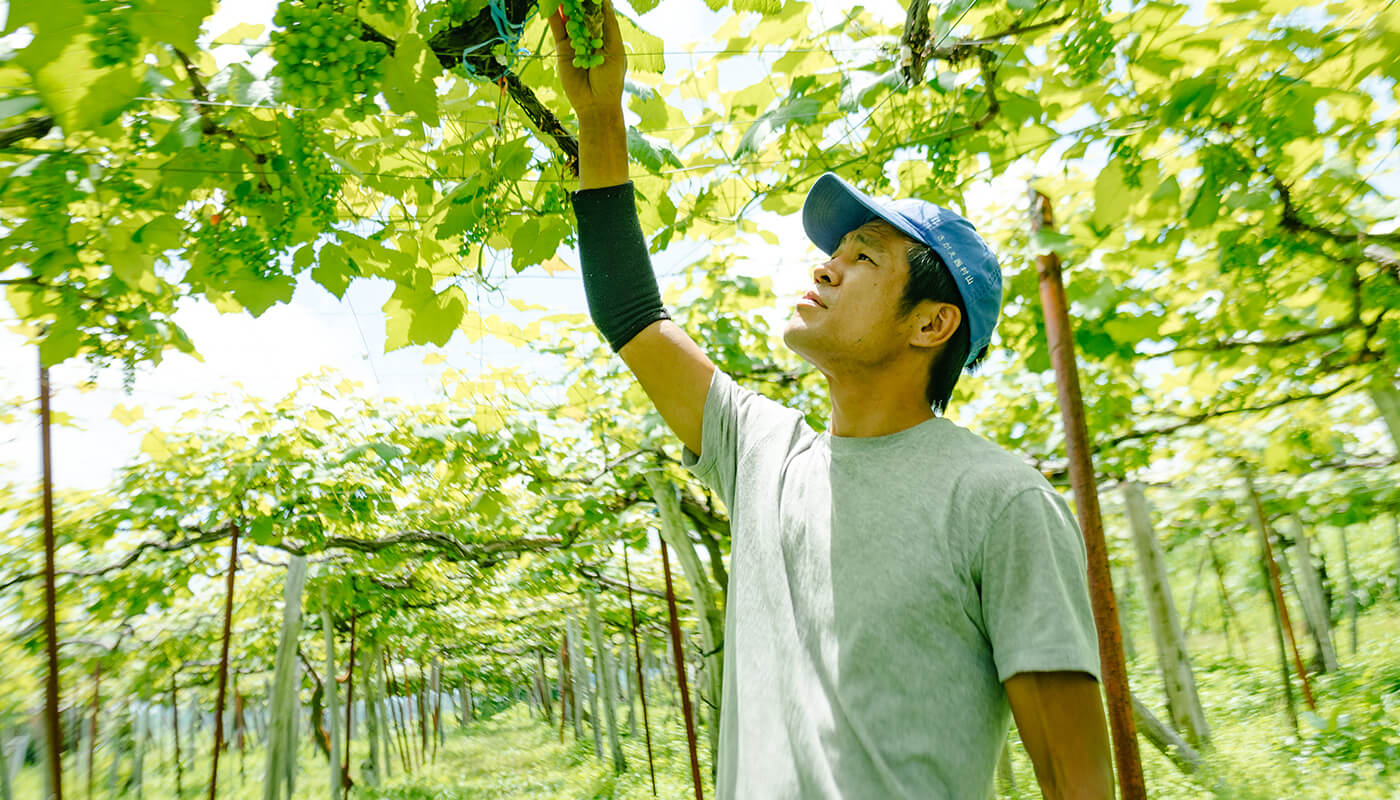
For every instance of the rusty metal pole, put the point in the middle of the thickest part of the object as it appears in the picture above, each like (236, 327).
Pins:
(1086, 497)
(680, 673)
(223, 663)
(52, 727)
(1266, 533)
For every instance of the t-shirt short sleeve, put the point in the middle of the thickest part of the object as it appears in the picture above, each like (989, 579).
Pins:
(1034, 589)
(735, 419)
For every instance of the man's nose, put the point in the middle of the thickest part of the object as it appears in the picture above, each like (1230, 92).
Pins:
(826, 272)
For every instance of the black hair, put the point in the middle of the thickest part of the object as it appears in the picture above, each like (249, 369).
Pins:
(929, 279)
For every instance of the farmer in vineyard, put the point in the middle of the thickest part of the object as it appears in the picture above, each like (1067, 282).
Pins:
(899, 586)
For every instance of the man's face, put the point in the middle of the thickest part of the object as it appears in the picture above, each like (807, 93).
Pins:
(850, 319)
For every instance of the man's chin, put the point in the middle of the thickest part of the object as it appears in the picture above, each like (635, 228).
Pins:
(799, 340)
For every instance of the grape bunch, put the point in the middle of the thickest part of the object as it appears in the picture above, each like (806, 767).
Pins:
(1129, 159)
(385, 8)
(585, 28)
(321, 59)
(109, 23)
(1088, 47)
(942, 162)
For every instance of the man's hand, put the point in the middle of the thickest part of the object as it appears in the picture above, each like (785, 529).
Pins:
(1061, 721)
(596, 94)
(598, 89)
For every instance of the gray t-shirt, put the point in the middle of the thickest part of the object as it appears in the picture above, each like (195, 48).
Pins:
(880, 591)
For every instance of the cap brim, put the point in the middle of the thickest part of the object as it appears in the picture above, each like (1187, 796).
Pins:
(834, 208)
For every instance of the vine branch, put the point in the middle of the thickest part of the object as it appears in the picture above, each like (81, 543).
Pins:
(32, 128)
(1197, 419)
(212, 128)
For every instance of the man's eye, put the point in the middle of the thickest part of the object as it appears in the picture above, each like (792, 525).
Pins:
(864, 256)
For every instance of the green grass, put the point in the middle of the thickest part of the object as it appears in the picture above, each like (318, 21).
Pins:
(510, 755)
(514, 756)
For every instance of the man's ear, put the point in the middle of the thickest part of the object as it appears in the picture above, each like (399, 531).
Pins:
(937, 323)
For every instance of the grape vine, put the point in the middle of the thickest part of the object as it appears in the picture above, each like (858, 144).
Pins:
(1088, 46)
(247, 229)
(943, 163)
(322, 61)
(109, 23)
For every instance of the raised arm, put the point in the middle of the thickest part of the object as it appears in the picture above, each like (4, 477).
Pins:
(1060, 718)
(623, 298)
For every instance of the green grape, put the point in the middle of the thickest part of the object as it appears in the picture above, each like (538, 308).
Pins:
(109, 23)
(321, 61)
(585, 28)
(1087, 47)
(942, 162)
(384, 8)
(1129, 160)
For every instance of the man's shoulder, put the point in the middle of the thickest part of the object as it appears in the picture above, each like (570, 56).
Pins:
(751, 406)
(987, 473)
(987, 460)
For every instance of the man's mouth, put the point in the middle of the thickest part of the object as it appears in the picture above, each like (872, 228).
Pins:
(811, 297)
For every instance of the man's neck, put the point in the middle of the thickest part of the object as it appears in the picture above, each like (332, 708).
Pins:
(868, 405)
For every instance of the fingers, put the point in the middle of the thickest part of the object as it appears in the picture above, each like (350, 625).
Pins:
(612, 35)
(561, 33)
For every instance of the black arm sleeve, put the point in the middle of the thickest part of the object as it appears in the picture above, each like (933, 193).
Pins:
(623, 297)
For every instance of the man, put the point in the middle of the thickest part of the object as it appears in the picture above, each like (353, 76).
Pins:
(896, 583)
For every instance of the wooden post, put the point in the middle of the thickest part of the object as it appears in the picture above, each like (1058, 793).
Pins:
(1351, 586)
(1081, 470)
(240, 725)
(603, 668)
(437, 705)
(1124, 612)
(6, 790)
(543, 681)
(641, 680)
(393, 716)
(53, 733)
(1387, 400)
(1006, 778)
(92, 725)
(1227, 610)
(581, 669)
(561, 661)
(673, 531)
(349, 703)
(1183, 702)
(1195, 595)
(422, 714)
(1176, 749)
(332, 707)
(280, 779)
(223, 662)
(577, 680)
(1308, 582)
(372, 693)
(679, 657)
(1395, 545)
(138, 745)
(175, 723)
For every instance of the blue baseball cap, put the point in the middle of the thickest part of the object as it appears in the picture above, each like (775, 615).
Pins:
(834, 208)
